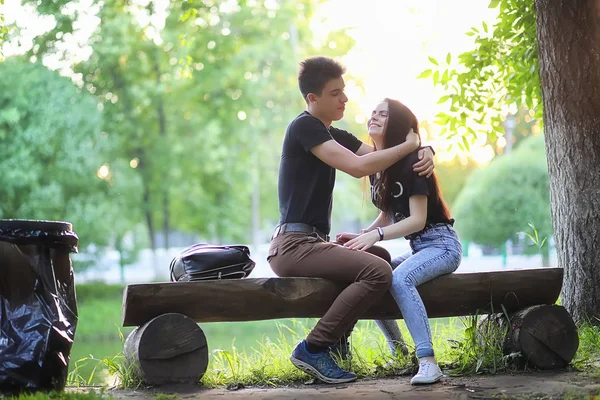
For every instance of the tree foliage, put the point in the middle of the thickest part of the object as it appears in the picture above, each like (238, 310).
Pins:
(51, 154)
(196, 100)
(452, 177)
(501, 200)
(3, 27)
(499, 75)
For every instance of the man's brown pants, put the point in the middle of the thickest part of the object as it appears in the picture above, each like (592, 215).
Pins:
(368, 276)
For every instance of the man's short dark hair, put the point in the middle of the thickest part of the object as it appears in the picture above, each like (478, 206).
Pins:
(315, 72)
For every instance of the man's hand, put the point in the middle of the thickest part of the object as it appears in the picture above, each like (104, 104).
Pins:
(363, 242)
(425, 166)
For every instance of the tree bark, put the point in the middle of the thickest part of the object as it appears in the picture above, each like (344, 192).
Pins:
(271, 298)
(568, 33)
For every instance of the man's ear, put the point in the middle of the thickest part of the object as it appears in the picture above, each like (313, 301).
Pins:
(312, 98)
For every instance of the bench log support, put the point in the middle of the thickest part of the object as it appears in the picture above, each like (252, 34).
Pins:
(544, 336)
(170, 348)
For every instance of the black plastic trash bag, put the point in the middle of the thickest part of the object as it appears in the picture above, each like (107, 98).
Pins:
(38, 308)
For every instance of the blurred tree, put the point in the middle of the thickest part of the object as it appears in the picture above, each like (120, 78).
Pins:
(53, 155)
(3, 28)
(242, 88)
(452, 176)
(124, 73)
(197, 96)
(500, 201)
(516, 127)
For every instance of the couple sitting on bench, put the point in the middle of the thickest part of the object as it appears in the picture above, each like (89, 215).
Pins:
(403, 188)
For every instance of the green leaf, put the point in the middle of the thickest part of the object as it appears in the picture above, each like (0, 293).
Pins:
(494, 3)
(433, 60)
(425, 74)
(445, 76)
(448, 58)
(436, 77)
(444, 99)
(466, 143)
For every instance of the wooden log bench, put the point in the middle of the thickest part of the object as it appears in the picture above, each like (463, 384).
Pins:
(168, 345)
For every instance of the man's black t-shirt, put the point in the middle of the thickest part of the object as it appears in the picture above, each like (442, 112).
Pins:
(305, 182)
(410, 184)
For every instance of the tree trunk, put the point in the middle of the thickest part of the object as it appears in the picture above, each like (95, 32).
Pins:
(162, 131)
(119, 249)
(166, 223)
(545, 253)
(256, 239)
(568, 33)
(150, 224)
(148, 216)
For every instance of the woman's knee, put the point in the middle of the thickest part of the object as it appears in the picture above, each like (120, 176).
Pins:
(403, 279)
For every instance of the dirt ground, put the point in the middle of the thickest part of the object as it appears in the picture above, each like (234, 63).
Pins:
(535, 385)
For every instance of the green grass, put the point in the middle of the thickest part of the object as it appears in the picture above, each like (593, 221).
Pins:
(267, 364)
(90, 395)
(98, 291)
(257, 353)
(99, 320)
(99, 309)
(587, 357)
(479, 350)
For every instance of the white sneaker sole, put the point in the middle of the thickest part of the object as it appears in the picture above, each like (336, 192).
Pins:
(425, 380)
(312, 371)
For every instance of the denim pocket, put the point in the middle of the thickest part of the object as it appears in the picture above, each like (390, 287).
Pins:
(437, 237)
(430, 238)
(432, 235)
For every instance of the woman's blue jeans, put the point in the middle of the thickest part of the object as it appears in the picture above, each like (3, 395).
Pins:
(436, 252)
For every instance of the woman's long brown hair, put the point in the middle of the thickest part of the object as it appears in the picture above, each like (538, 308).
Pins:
(400, 121)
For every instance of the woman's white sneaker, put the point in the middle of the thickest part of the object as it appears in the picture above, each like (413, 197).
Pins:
(428, 373)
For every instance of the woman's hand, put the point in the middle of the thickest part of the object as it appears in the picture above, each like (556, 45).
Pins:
(363, 242)
(345, 236)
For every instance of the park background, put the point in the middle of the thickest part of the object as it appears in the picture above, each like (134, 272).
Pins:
(153, 125)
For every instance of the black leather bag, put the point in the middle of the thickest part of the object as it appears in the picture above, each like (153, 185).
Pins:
(205, 261)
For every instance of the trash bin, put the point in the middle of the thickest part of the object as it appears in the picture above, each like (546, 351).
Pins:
(38, 307)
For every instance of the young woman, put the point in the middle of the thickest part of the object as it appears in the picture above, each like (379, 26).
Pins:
(411, 206)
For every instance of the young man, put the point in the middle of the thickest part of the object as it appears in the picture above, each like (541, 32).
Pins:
(312, 151)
